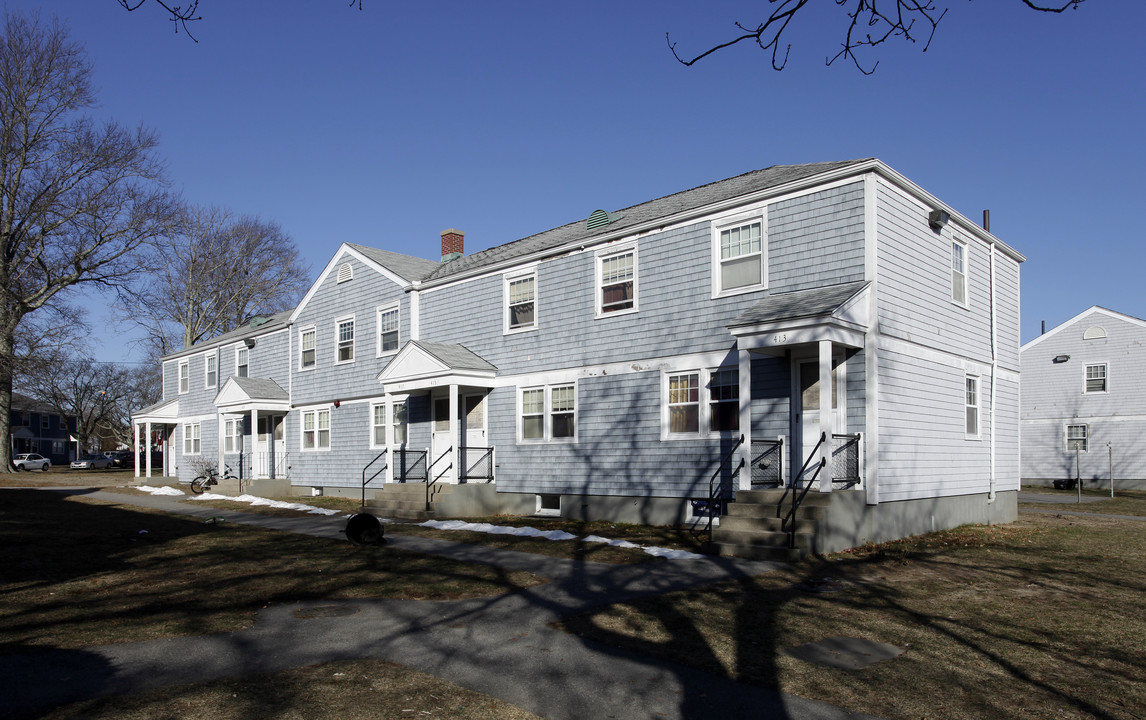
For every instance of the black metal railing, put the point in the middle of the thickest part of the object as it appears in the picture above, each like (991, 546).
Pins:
(475, 463)
(845, 461)
(435, 478)
(411, 465)
(767, 463)
(379, 471)
(717, 491)
(788, 524)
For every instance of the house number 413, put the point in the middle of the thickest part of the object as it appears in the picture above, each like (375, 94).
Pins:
(780, 339)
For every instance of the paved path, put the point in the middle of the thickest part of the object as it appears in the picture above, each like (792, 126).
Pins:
(503, 646)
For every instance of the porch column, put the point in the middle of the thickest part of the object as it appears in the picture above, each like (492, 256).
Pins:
(826, 416)
(455, 440)
(147, 449)
(745, 378)
(254, 445)
(388, 477)
(135, 444)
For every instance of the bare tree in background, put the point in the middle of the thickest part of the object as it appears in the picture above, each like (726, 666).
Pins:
(214, 276)
(868, 23)
(79, 201)
(99, 395)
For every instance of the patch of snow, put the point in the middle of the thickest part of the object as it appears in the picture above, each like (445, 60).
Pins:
(264, 502)
(161, 490)
(556, 535)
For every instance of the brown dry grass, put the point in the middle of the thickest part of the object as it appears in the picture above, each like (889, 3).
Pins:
(1042, 618)
(1124, 502)
(350, 690)
(75, 573)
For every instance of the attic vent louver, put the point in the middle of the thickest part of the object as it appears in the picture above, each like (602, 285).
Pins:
(345, 272)
(1094, 333)
(256, 321)
(600, 218)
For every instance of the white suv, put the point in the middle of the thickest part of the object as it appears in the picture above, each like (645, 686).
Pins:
(31, 461)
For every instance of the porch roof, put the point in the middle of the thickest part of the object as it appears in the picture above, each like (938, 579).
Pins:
(837, 312)
(422, 365)
(242, 394)
(164, 411)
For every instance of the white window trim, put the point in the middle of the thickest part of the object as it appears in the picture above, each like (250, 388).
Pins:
(378, 313)
(240, 348)
(303, 331)
(193, 438)
(966, 303)
(978, 434)
(704, 412)
(718, 226)
(1106, 377)
(315, 410)
(207, 356)
(1066, 436)
(232, 435)
(506, 280)
(183, 377)
(547, 416)
(354, 339)
(598, 295)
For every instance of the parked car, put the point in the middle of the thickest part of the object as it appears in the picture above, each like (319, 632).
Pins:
(31, 461)
(91, 462)
(120, 458)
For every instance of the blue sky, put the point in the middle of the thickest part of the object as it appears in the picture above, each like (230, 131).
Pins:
(386, 126)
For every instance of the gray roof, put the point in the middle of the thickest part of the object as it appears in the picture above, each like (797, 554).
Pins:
(254, 328)
(404, 266)
(261, 388)
(797, 304)
(645, 212)
(455, 357)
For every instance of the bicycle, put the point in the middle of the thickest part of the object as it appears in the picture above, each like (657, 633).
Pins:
(201, 483)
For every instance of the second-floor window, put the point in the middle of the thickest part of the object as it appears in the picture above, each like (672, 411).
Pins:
(617, 283)
(741, 257)
(184, 376)
(211, 374)
(958, 272)
(1095, 378)
(242, 362)
(307, 348)
(45, 421)
(345, 340)
(520, 303)
(388, 335)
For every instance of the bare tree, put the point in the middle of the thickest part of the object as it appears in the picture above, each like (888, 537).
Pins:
(866, 27)
(78, 200)
(180, 14)
(97, 394)
(214, 276)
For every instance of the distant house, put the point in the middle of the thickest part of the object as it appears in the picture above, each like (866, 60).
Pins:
(1084, 402)
(829, 314)
(37, 427)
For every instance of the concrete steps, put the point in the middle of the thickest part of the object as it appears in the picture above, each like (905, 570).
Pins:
(406, 501)
(754, 528)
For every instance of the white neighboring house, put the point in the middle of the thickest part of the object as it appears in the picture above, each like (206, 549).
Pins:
(1084, 402)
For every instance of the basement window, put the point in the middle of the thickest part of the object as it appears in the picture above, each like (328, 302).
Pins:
(548, 506)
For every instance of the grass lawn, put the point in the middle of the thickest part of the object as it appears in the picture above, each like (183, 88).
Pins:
(1042, 618)
(1124, 502)
(74, 572)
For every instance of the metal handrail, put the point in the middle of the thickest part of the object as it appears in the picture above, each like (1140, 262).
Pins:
(430, 483)
(714, 489)
(789, 522)
(366, 480)
(464, 465)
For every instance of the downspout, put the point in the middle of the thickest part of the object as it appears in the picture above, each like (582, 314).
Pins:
(994, 369)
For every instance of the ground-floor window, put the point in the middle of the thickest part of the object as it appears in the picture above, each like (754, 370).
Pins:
(972, 406)
(1078, 438)
(232, 435)
(548, 413)
(701, 402)
(316, 430)
(392, 430)
(192, 438)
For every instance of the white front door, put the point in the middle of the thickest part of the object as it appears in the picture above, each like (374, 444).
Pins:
(440, 440)
(808, 415)
(474, 431)
(269, 446)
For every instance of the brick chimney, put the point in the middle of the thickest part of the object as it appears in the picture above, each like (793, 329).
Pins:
(453, 242)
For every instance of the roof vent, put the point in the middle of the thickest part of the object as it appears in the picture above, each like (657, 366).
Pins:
(600, 218)
(256, 321)
(1096, 332)
(345, 273)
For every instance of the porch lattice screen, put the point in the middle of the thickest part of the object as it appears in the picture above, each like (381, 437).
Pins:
(410, 465)
(845, 460)
(476, 464)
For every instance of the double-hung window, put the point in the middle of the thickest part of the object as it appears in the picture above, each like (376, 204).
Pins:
(521, 302)
(617, 283)
(548, 413)
(184, 376)
(242, 362)
(1095, 378)
(959, 272)
(388, 330)
(388, 429)
(191, 438)
(1078, 438)
(740, 257)
(316, 429)
(701, 403)
(307, 348)
(344, 340)
(211, 372)
(971, 406)
(232, 435)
